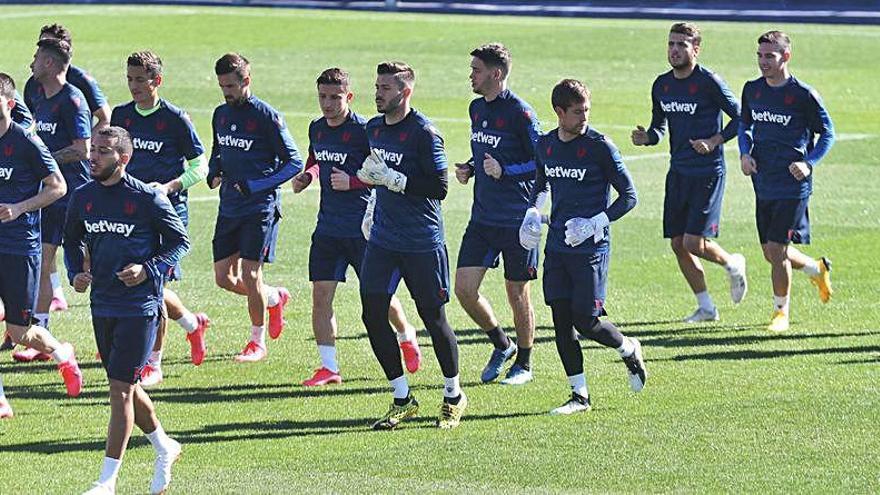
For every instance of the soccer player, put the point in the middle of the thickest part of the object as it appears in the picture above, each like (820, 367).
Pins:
(29, 180)
(580, 165)
(5, 408)
(253, 154)
(63, 123)
(408, 165)
(504, 130)
(692, 99)
(337, 147)
(134, 238)
(169, 156)
(779, 149)
(100, 109)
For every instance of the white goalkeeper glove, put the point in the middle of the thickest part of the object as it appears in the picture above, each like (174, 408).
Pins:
(376, 172)
(578, 230)
(530, 230)
(367, 222)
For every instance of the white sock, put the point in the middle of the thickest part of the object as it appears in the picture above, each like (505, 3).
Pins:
(811, 268)
(42, 319)
(408, 335)
(704, 300)
(627, 348)
(273, 297)
(2, 394)
(109, 471)
(159, 440)
(451, 387)
(188, 322)
(55, 279)
(328, 357)
(258, 335)
(781, 303)
(156, 358)
(401, 387)
(61, 353)
(579, 385)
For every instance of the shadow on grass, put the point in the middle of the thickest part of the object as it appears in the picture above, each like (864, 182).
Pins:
(770, 354)
(743, 339)
(257, 430)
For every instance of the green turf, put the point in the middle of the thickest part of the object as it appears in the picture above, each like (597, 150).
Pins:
(728, 407)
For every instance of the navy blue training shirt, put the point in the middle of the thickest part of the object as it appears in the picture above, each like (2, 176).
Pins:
(80, 79)
(21, 115)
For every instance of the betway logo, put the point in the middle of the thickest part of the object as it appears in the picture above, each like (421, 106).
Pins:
(679, 107)
(565, 173)
(773, 118)
(235, 142)
(46, 127)
(147, 145)
(6, 173)
(106, 226)
(389, 156)
(331, 156)
(483, 138)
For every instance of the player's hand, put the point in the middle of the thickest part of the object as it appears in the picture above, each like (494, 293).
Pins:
(375, 171)
(578, 230)
(339, 180)
(530, 230)
(81, 281)
(491, 166)
(133, 274)
(242, 188)
(704, 146)
(9, 212)
(639, 136)
(748, 164)
(300, 182)
(215, 182)
(464, 171)
(599, 221)
(800, 170)
(162, 188)
(367, 222)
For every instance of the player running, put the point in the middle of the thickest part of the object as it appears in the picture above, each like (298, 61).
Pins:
(504, 130)
(134, 238)
(63, 123)
(169, 156)
(580, 165)
(408, 165)
(337, 147)
(100, 111)
(252, 155)
(781, 118)
(29, 180)
(691, 99)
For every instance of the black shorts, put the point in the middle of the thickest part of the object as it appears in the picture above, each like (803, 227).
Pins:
(483, 245)
(426, 274)
(330, 257)
(692, 205)
(19, 283)
(125, 344)
(253, 237)
(783, 220)
(579, 277)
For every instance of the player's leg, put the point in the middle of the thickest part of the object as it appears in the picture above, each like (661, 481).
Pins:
(520, 267)
(379, 278)
(427, 278)
(259, 244)
(5, 408)
(44, 299)
(780, 276)
(406, 336)
(475, 256)
(59, 303)
(194, 324)
(327, 266)
(818, 269)
(152, 374)
(252, 279)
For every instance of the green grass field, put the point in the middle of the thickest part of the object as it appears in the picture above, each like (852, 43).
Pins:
(728, 407)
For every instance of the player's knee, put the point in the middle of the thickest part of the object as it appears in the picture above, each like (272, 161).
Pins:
(120, 391)
(677, 244)
(775, 253)
(466, 293)
(224, 280)
(694, 245)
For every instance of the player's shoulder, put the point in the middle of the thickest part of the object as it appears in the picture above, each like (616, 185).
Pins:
(661, 79)
(140, 188)
(598, 138)
(805, 89)
(424, 124)
(357, 119)
(376, 121)
(74, 96)
(122, 110)
(516, 101)
(263, 108)
(710, 76)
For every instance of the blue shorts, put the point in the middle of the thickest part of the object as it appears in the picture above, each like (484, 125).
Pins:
(783, 220)
(253, 237)
(579, 277)
(692, 205)
(329, 257)
(483, 245)
(426, 274)
(125, 344)
(183, 212)
(52, 224)
(19, 283)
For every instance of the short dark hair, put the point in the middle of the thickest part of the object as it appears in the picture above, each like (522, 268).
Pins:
(569, 91)
(58, 50)
(688, 29)
(7, 86)
(58, 32)
(233, 63)
(776, 38)
(334, 75)
(494, 55)
(148, 60)
(123, 144)
(402, 72)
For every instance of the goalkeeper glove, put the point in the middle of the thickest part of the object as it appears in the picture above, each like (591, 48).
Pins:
(375, 171)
